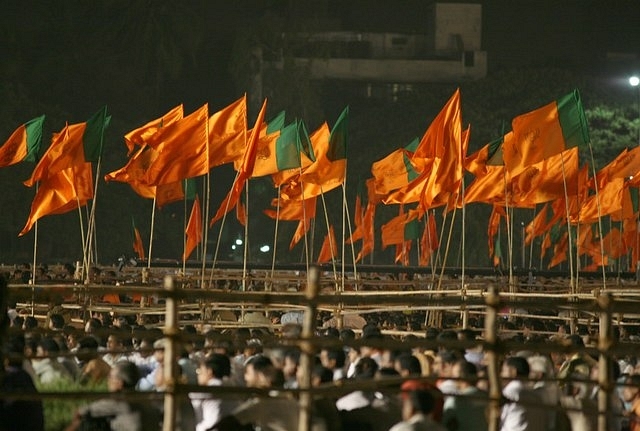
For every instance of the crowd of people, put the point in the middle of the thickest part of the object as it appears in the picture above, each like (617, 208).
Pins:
(435, 382)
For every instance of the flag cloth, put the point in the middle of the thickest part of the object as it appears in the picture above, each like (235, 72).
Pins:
(537, 225)
(306, 155)
(245, 170)
(292, 210)
(301, 231)
(134, 172)
(402, 253)
(74, 145)
(141, 135)
(493, 227)
(628, 165)
(547, 180)
(329, 249)
(278, 151)
(477, 162)
(393, 232)
(493, 187)
(609, 200)
(61, 192)
(546, 131)
(368, 235)
(395, 170)
(182, 150)
(194, 230)
(560, 250)
(23, 144)
(357, 221)
(138, 246)
(228, 133)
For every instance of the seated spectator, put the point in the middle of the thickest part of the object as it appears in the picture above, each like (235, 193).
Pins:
(117, 414)
(209, 409)
(417, 407)
(45, 364)
(93, 369)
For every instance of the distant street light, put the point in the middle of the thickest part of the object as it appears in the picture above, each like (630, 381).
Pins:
(238, 241)
(634, 81)
(265, 248)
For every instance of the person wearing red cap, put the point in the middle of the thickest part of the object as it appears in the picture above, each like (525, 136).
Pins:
(418, 402)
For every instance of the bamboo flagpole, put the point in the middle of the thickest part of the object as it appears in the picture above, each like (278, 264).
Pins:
(595, 182)
(275, 240)
(205, 227)
(326, 219)
(153, 219)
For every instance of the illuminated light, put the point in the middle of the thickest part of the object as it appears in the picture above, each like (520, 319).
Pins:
(238, 241)
(233, 247)
(634, 81)
(265, 248)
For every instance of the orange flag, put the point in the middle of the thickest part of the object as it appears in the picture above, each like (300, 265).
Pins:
(537, 225)
(368, 239)
(292, 210)
(489, 188)
(182, 150)
(194, 229)
(23, 144)
(560, 251)
(134, 171)
(613, 244)
(61, 192)
(138, 246)
(357, 220)
(544, 132)
(329, 249)
(609, 199)
(244, 171)
(228, 133)
(547, 180)
(301, 230)
(402, 252)
(141, 135)
(393, 230)
(494, 226)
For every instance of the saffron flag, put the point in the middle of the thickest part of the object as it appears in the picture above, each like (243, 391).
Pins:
(357, 221)
(194, 229)
(182, 150)
(74, 145)
(306, 155)
(138, 247)
(228, 133)
(608, 201)
(546, 131)
(329, 249)
(537, 225)
(395, 170)
(368, 238)
(278, 153)
(244, 171)
(547, 180)
(134, 171)
(61, 192)
(477, 162)
(23, 144)
(141, 135)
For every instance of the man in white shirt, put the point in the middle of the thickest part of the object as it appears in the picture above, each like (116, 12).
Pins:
(208, 409)
(520, 413)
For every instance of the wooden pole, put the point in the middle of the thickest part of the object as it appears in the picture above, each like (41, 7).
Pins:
(605, 343)
(307, 350)
(492, 357)
(170, 350)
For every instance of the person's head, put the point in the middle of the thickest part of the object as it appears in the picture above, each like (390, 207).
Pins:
(56, 322)
(124, 376)
(47, 346)
(291, 361)
(320, 375)
(407, 365)
(87, 348)
(13, 350)
(416, 399)
(515, 367)
(366, 368)
(258, 371)
(631, 389)
(30, 322)
(332, 358)
(215, 366)
(115, 341)
(444, 361)
(158, 349)
(466, 372)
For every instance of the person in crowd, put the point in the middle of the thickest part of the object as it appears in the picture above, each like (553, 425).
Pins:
(93, 369)
(334, 359)
(417, 406)
(443, 366)
(290, 368)
(115, 348)
(541, 373)
(115, 413)
(45, 363)
(208, 409)
(518, 412)
(467, 409)
(259, 372)
(407, 365)
(18, 414)
(631, 394)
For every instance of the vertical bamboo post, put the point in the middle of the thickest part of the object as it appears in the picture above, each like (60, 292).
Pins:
(170, 350)
(605, 342)
(307, 349)
(493, 368)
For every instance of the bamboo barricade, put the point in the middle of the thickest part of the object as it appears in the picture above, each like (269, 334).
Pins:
(601, 302)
